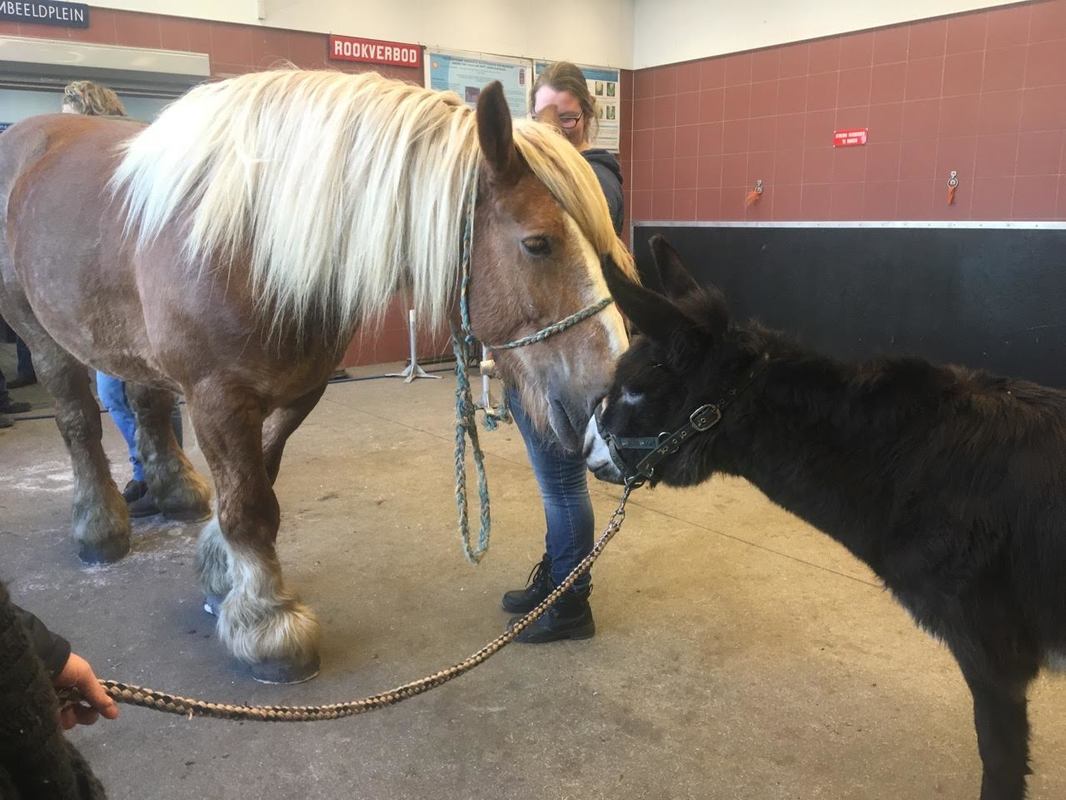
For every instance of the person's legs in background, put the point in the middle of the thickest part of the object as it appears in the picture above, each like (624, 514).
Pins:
(112, 394)
(26, 376)
(5, 421)
(9, 406)
(568, 514)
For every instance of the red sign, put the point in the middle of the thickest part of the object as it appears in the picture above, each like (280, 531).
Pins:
(372, 51)
(852, 137)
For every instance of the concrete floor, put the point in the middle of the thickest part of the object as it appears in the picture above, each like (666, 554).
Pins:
(740, 654)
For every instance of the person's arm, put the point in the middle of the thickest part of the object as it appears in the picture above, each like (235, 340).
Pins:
(67, 669)
(53, 650)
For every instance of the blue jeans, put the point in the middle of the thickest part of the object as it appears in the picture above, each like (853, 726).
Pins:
(563, 482)
(112, 392)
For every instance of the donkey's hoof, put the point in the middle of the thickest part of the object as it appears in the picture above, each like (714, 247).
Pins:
(106, 552)
(277, 670)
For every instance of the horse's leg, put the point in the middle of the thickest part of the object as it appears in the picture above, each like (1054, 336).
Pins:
(101, 523)
(260, 621)
(280, 425)
(178, 491)
(212, 561)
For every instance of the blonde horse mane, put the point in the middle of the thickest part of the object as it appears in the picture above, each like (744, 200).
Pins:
(341, 188)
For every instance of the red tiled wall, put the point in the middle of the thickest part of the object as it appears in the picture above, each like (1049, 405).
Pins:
(982, 93)
(237, 49)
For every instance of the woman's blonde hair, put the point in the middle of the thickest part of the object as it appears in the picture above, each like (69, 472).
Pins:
(562, 76)
(92, 99)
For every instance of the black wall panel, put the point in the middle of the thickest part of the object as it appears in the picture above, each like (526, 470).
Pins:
(988, 298)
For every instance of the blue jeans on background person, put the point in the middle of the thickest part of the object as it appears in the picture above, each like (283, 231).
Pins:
(112, 393)
(563, 481)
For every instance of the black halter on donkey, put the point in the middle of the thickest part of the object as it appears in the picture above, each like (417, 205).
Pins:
(703, 419)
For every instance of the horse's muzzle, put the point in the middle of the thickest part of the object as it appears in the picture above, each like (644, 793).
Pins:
(614, 459)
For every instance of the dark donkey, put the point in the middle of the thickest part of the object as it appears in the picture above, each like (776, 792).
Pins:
(950, 483)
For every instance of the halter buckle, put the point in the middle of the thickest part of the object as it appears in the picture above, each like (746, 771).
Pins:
(705, 417)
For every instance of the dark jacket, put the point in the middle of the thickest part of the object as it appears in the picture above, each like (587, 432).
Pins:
(606, 167)
(36, 761)
(53, 650)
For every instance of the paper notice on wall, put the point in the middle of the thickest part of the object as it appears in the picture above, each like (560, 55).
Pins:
(467, 74)
(607, 97)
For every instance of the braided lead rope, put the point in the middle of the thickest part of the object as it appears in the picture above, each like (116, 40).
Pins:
(557, 327)
(466, 425)
(174, 704)
(465, 410)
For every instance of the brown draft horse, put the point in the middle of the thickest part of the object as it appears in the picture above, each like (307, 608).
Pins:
(230, 250)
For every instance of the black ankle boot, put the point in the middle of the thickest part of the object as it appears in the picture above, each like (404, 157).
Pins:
(569, 618)
(538, 586)
(10, 406)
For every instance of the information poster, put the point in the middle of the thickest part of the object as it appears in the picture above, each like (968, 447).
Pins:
(467, 74)
(604, 88)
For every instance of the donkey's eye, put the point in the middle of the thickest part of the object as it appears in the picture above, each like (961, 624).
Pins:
(537, 245)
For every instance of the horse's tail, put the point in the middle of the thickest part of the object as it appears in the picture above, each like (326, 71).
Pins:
(36, 761)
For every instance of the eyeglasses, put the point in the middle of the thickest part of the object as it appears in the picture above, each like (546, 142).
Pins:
(566, 121)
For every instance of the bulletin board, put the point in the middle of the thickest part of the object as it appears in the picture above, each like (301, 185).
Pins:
(467, 74)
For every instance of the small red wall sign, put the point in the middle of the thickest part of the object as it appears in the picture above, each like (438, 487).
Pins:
(851, 137)
(372, 51)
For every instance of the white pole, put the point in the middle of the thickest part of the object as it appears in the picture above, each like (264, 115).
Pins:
(413, 370)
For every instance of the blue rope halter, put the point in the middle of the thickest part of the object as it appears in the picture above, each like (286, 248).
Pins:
(463, 341)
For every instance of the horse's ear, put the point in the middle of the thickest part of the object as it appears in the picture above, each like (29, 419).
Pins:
(549, 115)
(653, 315)
(494, 131)
(676, 281)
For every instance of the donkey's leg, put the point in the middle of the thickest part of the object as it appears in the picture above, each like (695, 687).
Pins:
(1000, 716)
(179, 492)
(260, 621)
(101, 523)
(211, 555)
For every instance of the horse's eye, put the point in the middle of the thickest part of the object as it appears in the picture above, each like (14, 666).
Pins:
(537, 245)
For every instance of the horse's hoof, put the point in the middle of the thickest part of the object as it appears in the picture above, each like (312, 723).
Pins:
(276, 670)
(213, 604)
(188, 514)
(103, 552)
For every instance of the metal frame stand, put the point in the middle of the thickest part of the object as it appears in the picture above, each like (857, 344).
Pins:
(412, 371)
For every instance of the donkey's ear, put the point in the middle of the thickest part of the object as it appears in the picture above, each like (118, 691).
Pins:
(675, 279)
(653, 315)
(494, 131)
(650, 277)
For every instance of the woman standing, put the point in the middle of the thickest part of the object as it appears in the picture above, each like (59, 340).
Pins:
(561, 476)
